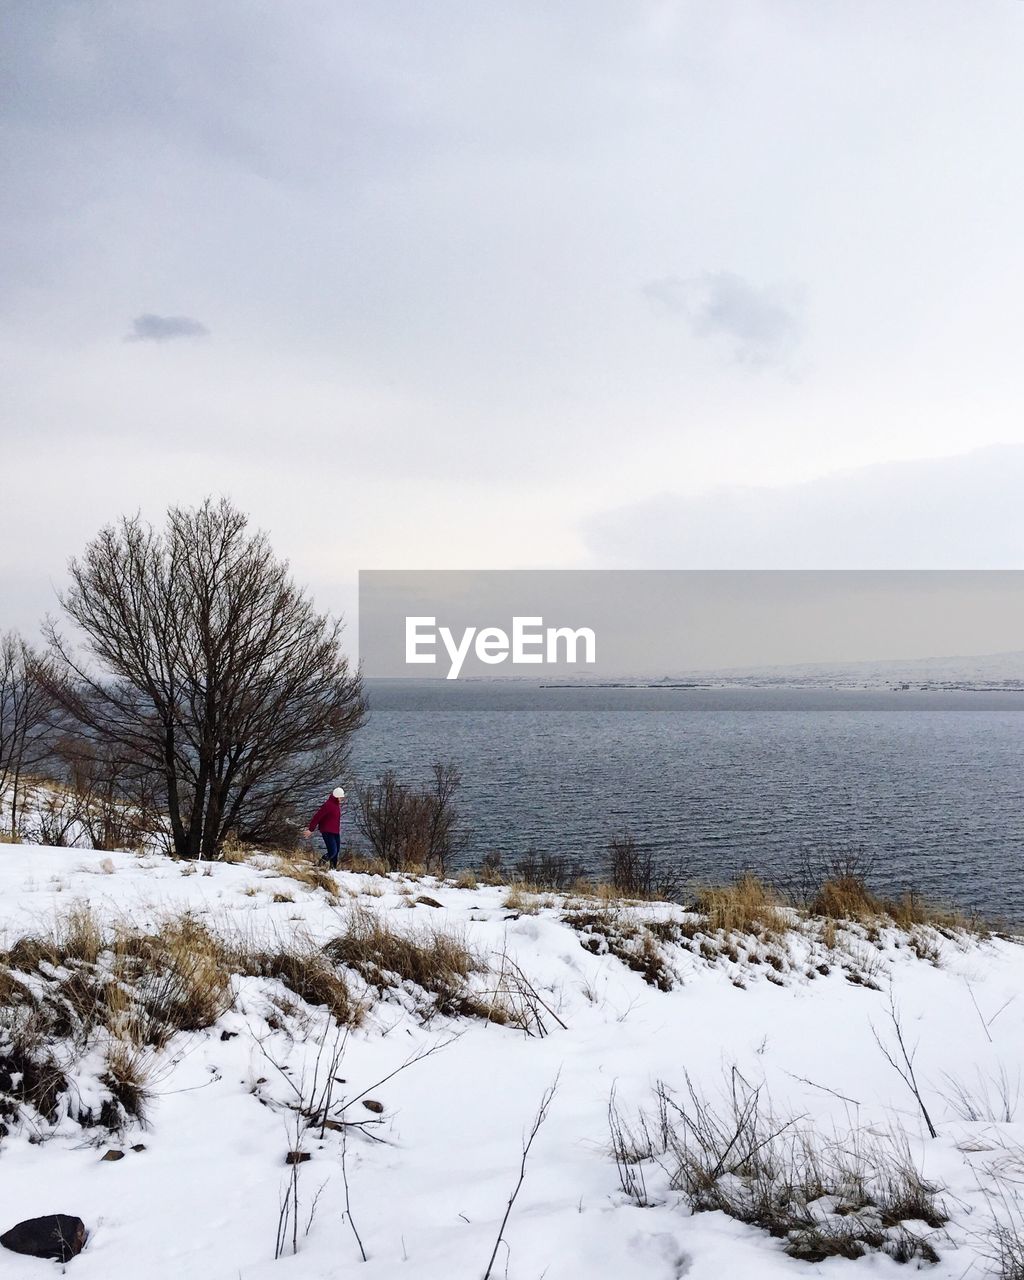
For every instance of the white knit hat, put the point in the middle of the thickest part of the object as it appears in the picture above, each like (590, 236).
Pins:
(338, 793)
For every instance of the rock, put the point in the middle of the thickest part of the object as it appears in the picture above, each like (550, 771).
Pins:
(57, 1235)
(424, 901)
(371, 1104)
(113, 1154)
(139, 1146)
(297, 1157)
(228, 1035)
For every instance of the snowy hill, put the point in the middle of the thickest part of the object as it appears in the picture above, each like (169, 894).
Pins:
(785, 1027)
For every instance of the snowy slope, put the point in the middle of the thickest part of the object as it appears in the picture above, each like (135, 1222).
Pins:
(429, 1186)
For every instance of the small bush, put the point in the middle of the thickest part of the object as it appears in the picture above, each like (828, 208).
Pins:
(408, 826)
(634, 873)
(551, 871)
(825, 1197)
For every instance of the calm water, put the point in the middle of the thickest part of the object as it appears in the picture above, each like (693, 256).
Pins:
(718, 780)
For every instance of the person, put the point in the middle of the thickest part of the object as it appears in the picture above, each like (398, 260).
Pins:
(327, 820)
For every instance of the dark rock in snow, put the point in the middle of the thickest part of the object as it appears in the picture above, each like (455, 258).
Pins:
(113, 1154)
(139, 1146)
(371, 1104)
(424, 901)
(228, 1035)
(297, 1157)
(56, 1235)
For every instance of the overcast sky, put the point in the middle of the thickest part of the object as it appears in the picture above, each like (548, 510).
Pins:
(531, 284)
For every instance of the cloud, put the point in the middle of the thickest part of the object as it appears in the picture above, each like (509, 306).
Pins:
(761, 325)
(153, 328)
(930, 513)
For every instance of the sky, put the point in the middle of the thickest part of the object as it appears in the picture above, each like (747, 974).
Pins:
(708, 284)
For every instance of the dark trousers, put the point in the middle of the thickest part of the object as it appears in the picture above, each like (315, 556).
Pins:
(333, 842)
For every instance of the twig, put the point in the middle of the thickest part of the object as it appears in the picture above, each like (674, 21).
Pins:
(906, 1071)
(348, 1197)
(541, 1116)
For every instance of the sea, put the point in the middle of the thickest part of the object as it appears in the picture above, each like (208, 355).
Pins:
(924, 785)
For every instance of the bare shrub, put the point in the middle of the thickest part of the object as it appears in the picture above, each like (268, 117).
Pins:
(635, 873)
(826, 1197)
(56, 820)
(552, 871)
(409, 826)
(25, 709)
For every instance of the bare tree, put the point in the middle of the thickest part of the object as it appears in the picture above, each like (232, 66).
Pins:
(207, 671)
(412, 826)
(25, 707)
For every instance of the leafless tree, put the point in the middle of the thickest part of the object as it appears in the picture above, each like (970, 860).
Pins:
(412, 826)
(206, 671)
(25, 707)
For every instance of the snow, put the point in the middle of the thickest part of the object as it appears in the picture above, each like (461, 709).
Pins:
(202, 1200)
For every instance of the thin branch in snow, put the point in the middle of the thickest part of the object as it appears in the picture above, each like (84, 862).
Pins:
(538, 1120)
(904, 1065)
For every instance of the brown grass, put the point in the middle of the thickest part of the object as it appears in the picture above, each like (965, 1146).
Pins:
(308, 972)
(745, 906)
(72, 987)
(307, 870)
(433, 960)
(847, 897)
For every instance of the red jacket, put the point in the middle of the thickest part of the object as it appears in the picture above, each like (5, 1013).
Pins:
(328, 817)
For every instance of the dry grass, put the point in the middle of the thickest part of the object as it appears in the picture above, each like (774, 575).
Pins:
(307, 870)
(520, 898)
(74, 987)
(824, 1196)
(367, 866)
(605, 929)
(308, 972)
(745, 906)
(847, 898)
(466, 879)
(435, 961)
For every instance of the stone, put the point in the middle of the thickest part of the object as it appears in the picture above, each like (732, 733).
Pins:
(56, 1235)
(113, 1154)
(424, 901)
(371, 1104)
(297, 1157)
(139, 1146)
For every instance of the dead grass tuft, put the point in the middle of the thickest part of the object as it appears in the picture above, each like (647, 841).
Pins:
(745, 906)
(306, 971)
(433, 960)
(307, 870)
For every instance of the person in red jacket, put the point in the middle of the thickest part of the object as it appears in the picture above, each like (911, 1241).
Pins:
(327, 820)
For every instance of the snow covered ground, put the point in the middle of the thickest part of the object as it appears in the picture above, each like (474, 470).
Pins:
(429, 1184)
